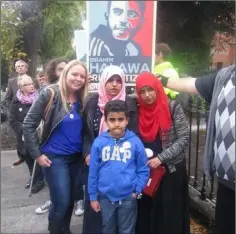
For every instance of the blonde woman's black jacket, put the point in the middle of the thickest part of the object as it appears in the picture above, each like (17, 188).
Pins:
(88, 116)
(55, 115)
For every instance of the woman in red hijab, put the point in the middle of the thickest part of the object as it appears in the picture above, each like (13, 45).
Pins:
(163, 129)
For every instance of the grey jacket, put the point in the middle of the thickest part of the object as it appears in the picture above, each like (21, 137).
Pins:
(220, 80)
(12, 88)
(177, 140)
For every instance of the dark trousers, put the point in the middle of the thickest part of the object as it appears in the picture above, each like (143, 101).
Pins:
(92, 223)
(225, 210)
(168, 211)
(61, 177)
(79, 190)
(38, 175)
(118, 217)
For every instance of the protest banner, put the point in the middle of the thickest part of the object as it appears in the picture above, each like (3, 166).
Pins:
(121, 33)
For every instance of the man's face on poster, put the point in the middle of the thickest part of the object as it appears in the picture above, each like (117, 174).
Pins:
(124, 18)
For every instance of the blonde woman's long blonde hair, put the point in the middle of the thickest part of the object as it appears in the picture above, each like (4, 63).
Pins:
(80, 94)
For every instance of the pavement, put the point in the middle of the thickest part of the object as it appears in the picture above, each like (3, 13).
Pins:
(17, 209)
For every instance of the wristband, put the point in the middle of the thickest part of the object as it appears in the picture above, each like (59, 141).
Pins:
(163, 79)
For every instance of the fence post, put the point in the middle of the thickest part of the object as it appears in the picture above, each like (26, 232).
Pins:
(190, 136)
(198, 117)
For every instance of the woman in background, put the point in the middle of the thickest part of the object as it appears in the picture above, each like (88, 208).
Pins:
(19, 107)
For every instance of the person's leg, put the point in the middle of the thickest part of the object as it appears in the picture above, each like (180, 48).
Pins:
(109, 215)
(38, 183)
(170, 214)
(225, 210)
(19, 161)
(58, 179)
(79, 192)
(90, 216)
(30, 164)
(92, 223)
(126, 216)
(74, 165)
(144, 214)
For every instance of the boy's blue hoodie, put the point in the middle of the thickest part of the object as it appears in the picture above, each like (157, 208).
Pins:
(118, 167)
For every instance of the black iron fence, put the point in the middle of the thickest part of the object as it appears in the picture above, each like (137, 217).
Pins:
(197, 112)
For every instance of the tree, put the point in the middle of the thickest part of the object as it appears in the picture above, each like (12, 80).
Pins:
(41, 29)
(189, 27)
(32, 24)
(61, 18)
(10, 29)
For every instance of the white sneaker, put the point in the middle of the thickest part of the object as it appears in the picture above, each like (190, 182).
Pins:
(79, 208)
(44, 208)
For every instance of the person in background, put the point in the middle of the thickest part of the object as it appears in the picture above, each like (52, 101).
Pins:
(164, 66)
(218, 89)
(111, 87)
(21, 68)
(41, 80)
(163, 129)
(118, 171)
(60, 149)
(21, 103)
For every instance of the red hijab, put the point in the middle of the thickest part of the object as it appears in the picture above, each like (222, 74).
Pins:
(154, 118)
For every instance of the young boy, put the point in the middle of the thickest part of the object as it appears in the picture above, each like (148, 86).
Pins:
(118, 172)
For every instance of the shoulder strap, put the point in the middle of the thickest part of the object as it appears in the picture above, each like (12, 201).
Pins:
(46, 111)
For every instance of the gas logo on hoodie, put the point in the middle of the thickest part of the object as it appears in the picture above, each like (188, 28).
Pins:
(122, 153)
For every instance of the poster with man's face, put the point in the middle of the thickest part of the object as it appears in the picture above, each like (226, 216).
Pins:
(121, 33)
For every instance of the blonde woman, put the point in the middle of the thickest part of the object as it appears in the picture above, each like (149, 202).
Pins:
(60, 150)
(20, 105)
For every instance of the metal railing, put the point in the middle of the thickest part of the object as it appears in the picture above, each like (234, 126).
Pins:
(197, 113)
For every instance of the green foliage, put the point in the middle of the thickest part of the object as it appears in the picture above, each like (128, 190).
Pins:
(4, 70)
(61, 18)
(10, 28)
(189, 27)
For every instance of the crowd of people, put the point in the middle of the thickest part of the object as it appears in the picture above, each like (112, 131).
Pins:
(93, 150)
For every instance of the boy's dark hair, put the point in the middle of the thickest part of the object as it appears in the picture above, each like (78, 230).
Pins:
(50, 69)
(116, 106)
(164, 49)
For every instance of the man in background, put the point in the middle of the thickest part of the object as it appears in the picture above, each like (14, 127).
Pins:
(164, 66)
(21, 68)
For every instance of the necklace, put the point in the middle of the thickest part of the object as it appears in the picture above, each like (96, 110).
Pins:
(69, 103)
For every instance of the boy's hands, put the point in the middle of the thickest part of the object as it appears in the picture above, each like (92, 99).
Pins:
(95, 206)
(87, 159)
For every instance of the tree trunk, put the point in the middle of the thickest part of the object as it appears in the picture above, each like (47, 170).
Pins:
(31, 15)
